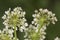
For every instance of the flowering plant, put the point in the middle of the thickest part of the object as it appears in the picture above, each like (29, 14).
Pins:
(15, 19)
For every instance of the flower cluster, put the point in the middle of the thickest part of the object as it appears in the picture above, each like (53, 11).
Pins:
(45, 16)
(36, 30)
(33, 34)
(6, 34)
(15, 18)
(57, 38)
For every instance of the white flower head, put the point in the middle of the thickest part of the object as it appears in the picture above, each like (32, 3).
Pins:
(15, 18)
(42, 18)
(33, 33)
(6, 34)
(44, 15)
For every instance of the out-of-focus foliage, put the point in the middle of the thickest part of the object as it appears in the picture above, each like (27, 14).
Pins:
(29, 6)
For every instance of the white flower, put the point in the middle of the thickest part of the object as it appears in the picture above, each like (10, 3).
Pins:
(26, 39)
(14, 38)
(42, 18)
(44, 15)
(26, 24)
(33, 34)
(4, 17)
(6, 34)
(40, 9)
(57, 38)
(15, 18)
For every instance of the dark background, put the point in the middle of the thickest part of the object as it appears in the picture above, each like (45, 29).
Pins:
(29, 6)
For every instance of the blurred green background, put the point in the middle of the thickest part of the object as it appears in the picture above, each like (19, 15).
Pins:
(29, 6)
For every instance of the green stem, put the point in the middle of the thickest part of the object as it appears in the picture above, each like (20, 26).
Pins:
(41, 24)
(15, 33)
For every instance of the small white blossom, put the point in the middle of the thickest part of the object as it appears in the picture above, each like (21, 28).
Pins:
(4, 17)
(26, 39)
(26, 24)
(14, 38)
(40, 9)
